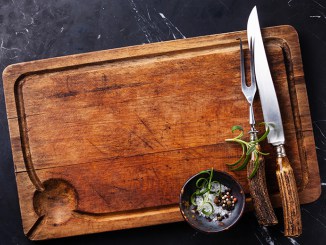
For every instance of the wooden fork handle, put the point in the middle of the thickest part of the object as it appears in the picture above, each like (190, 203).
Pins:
(289, 194)
(258, 191)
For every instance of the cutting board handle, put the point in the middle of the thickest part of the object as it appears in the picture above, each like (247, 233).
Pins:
(289, 194)
(258, 191)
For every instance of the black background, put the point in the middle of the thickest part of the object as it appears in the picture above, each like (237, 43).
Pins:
(37, 29)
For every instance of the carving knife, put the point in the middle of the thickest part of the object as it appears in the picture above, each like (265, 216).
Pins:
(272, 115)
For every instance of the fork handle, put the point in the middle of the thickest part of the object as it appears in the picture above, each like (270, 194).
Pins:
(289, 194)
(258, 191)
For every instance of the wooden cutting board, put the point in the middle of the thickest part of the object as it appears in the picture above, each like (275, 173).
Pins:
(105, 140)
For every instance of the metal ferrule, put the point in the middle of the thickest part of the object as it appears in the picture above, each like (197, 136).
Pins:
(280, 151)
(252, 133)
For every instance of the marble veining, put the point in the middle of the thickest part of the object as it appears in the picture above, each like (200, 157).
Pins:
(314, 217)
(265, 235)
(151, 25)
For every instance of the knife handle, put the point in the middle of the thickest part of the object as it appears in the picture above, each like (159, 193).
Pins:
(289, 194)
(258, 191)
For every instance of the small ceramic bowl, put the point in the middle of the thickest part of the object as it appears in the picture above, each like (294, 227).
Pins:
(201, 223)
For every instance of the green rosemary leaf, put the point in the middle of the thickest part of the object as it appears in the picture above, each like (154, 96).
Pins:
(263, 153)
(236, 127)
(192, 199)
(210, 179)
(235, 163)
(203, 184)
(251, 149)
(205, 172)
(239, 128)
(240, 159)
(248, 148)
(203, 191)
(217, 191)
(256, 166)
(265, 134)
(209, 212)
(243, 165)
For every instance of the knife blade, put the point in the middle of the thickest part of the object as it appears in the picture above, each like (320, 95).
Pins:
(272, 115)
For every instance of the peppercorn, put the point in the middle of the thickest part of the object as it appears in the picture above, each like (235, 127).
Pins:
(216, 201)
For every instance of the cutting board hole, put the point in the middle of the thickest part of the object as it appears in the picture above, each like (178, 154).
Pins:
(56, 202)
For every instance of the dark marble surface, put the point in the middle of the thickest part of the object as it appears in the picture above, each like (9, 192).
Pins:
(37, 29)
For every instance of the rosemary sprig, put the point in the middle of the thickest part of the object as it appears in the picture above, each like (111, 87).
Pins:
(204, 185)
(247, 149)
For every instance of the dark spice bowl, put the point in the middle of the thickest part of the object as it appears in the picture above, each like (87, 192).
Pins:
(202, 223)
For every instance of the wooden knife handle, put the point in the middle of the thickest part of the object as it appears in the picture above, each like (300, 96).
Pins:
(258, 191)
(289, 194)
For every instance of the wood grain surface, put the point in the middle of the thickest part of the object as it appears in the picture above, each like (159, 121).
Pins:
(105, 140)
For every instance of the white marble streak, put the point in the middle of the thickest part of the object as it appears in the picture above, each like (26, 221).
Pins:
(24, 16)
(149, 16)
(141, 21)
(7, 49)
(171, 27)
(318, 148)
(320, 39)
(321, 132)
(150, 22)
(318, 4)
(224, 5)
(315, 218)
(265, 235)
(294, 242)
(289, 3)
(322, 14)
(260, 242)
